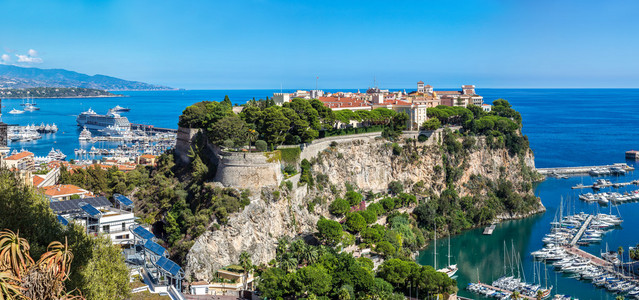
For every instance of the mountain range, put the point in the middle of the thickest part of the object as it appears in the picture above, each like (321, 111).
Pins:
(15, 77)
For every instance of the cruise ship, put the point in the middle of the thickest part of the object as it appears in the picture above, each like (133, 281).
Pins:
(91, 120)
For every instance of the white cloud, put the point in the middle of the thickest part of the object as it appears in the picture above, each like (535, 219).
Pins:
(5, 58)
(30, 58)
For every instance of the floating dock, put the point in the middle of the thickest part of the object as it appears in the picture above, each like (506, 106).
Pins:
(581, 170)
(581, 231)
(632, 154)
(615, 185)
(489, 230)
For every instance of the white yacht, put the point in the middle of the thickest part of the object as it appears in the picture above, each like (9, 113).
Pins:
(85, 135)
(16, 112)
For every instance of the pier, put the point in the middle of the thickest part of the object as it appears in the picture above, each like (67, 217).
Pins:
(504, 291)
(581, 231)
(593, 259)
(615, 185)
(581, 170)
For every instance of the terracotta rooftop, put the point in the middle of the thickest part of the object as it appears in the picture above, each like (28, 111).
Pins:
(37, 180)
(62, 189)
(420, 82)
(148, 156)
(396, 102)
(449, 92)
(19, 156)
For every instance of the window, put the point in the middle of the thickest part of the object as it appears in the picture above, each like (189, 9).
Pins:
(123, 226)
(106, 228)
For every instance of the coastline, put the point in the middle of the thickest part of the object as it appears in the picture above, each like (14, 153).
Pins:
(72, 97)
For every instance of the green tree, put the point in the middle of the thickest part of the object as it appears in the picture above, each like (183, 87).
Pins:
(329, 231)
(432, 124)
(339, 207)
(385, 249)
(355, 222)
(106, 276)
(312, 280)
(353, 197)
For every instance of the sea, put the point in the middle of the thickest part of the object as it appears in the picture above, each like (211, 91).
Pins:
(565, 127)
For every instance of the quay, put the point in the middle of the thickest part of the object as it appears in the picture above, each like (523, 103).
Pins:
(151, 128)
(489, 230)
(632, 154)
(503, 291)
(581, 170)
(581, 231)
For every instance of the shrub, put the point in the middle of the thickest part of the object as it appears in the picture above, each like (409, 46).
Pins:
(229, 143)
(290, 169)
(422, 138)
(432, 124)
(397, 149)
(339, 207)
(333, 144)
(395, 187)
(260, 145)
(353, 197)
(355, 222)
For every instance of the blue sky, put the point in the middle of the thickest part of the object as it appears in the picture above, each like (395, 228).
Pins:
(262, 43)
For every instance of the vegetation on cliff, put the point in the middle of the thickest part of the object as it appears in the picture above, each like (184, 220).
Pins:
(300, 270)
(176, 200)
(55, 92)
(97, 271)
(295, 122)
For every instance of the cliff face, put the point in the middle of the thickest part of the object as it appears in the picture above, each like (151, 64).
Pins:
(369, 164)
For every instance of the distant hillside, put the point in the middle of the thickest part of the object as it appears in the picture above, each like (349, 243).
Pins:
(54, 92)
(20, 77)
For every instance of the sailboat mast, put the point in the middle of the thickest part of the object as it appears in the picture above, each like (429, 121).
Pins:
(512, 258)
(435, 252)
(449, 250)
(505, 254)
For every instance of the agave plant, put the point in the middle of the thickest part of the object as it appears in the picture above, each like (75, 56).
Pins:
(9, 287)
(57, 259)
(14, 254)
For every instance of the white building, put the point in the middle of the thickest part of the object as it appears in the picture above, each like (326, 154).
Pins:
(487, 107)
(99, 216)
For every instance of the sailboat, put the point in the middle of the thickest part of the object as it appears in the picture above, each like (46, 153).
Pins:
(450, 270)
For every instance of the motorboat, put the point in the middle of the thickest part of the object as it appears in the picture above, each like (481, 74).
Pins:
(119, 108)
(16, 112)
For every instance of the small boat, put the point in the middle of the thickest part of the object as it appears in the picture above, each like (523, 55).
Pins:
(119, 108)
(31, 107)
(16, 112)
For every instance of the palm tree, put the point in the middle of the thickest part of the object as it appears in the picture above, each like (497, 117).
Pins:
(14, 253)
(247, 265)
(514, 295)
(282, 248)
(540, 295)
(289, 264)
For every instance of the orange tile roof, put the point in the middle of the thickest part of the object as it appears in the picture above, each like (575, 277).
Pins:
(20, 155)
(62, 189)
(396, 102)
(449, 92)
(37, 180)
(149, 156)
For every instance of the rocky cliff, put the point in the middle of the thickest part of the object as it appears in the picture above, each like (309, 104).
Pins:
(370, 165)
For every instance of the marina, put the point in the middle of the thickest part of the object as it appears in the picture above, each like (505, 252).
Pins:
(617, 168)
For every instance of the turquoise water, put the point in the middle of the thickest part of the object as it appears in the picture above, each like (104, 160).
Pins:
(566, 127)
